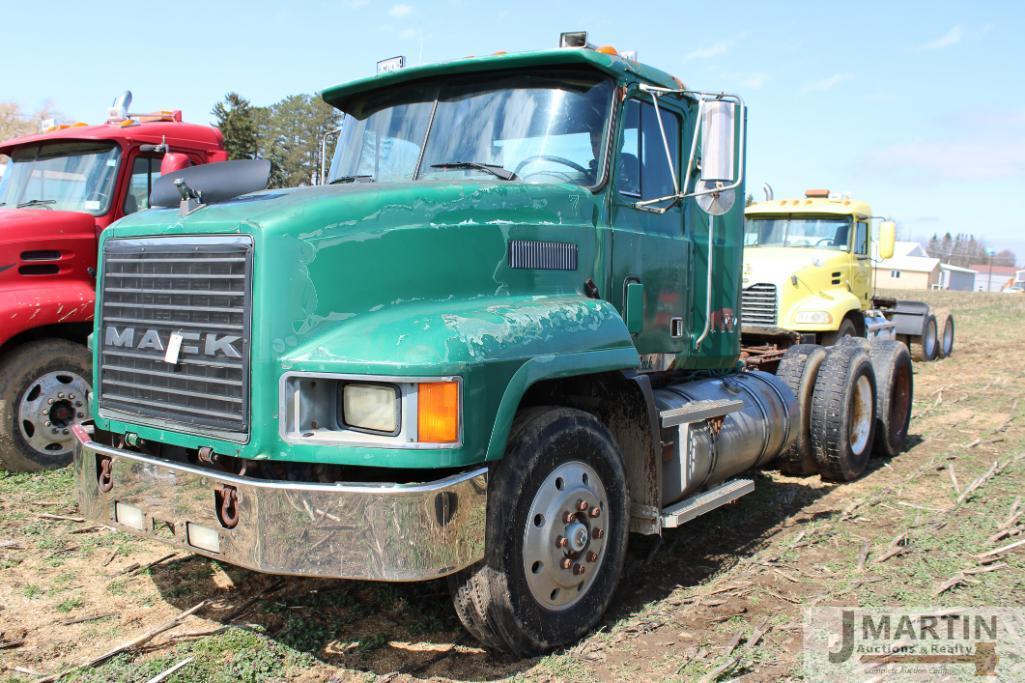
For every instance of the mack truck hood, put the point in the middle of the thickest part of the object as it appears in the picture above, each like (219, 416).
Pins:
(358, 257)
(776, 265)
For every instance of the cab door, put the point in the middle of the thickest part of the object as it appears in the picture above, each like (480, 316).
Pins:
(649, 255)
(861, 269)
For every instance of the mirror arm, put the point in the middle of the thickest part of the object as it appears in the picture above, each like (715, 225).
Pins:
(665, 143)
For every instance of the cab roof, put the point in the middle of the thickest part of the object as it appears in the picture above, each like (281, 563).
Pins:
(141, 131)
(620, 68)
(841, 206)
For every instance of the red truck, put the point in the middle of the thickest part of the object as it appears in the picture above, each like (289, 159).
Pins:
(59, 190)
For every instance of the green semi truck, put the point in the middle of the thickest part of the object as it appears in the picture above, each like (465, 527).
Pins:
(501, 339)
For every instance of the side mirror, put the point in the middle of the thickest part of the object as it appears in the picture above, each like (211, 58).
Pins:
(887, 239)
(718, 142)
(173, 161)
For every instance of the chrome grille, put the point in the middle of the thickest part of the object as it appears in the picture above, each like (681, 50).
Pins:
(758, 305)
(199, 288)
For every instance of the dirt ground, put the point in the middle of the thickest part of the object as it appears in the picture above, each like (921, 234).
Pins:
(721, 599)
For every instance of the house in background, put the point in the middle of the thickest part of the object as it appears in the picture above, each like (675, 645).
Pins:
(991, 278)
(957, 278)
(1019, 279)
(910, 268)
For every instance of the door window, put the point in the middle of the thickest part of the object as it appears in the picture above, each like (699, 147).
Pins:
(145, 171)
(643, 171)
(861, 247)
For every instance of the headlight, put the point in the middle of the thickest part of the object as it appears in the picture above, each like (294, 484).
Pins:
(814, 317)
(373, 407)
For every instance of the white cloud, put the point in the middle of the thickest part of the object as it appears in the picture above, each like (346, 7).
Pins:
(401, 10)
(991, 148)
(708, 52)
(827, 83)
(951, 37)
(755, 81)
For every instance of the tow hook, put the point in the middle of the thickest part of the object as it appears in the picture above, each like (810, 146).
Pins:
(226, 499)
(104, 473)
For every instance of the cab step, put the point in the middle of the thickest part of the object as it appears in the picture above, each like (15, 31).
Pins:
(687, 509)
(696, 411)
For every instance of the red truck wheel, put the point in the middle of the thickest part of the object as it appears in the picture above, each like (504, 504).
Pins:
(43, 387)
(556, 536)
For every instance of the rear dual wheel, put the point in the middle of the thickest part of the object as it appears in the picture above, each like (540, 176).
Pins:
(843, 413)
(799, 369)
(929, 343)
(556, 536)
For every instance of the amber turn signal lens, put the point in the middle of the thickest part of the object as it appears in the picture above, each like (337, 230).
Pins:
(438, 412)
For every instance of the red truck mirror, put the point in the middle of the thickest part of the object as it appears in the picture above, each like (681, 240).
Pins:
(173, 161)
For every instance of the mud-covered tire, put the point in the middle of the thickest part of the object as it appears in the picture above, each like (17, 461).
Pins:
(928, 344)
(798, 369)
(27, 376)
(843, 413)
(895, 392)
(847, 329)
(945, 347)
(496, 601)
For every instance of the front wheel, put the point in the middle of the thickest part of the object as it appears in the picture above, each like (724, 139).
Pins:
(557, 524)
(43, 387)
(847, 329)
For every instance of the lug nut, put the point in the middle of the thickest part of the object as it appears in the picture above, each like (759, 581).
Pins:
(54, 430)
(592, 556)
(49, 401)
(66, 432)
(47, 424)
(561, 542)
(567, 517)
(595, 511)
(579, 569)
(80, 415)
(582, 505)
(71, 396)
(598, 533)
(60, 395)
(78, 404)
(566, 563)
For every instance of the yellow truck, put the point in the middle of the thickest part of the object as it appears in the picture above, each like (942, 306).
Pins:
(808, 277)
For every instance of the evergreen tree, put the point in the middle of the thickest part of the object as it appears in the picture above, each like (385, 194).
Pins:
(237, 120)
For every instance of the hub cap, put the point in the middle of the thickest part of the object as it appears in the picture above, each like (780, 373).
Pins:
(48, 408)
(861, 416)
(564, 541)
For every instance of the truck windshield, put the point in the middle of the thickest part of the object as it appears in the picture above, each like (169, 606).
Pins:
(66, 176)
(782, 231)
(546, 127)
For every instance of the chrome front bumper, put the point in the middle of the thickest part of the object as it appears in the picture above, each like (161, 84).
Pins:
(379, 532)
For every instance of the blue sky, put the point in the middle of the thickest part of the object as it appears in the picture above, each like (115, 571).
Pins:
(916, 106)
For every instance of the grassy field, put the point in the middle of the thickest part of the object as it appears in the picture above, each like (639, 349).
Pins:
(70, 592)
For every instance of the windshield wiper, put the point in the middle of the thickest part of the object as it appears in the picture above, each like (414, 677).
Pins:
(37, 202)
(493, 169)
(353, 179)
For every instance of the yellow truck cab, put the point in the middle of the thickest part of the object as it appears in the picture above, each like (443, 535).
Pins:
(808, 276)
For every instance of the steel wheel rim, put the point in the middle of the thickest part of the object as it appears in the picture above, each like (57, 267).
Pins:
(48, 408)
(564, 538)
(861, 415)
(929, 342)
(948, 338)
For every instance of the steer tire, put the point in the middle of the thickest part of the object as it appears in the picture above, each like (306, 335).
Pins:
(928, 344)
(847, 329)
(945, 347)
(513, 600)
(798, 369)
(895, 392)
(843, 413)
(27, 375)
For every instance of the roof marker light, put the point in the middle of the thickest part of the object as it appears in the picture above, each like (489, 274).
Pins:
(817, 194)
